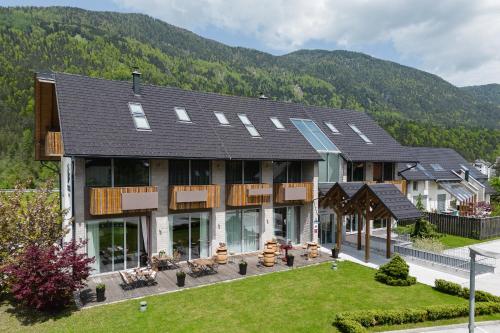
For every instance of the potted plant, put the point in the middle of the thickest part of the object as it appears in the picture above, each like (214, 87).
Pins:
(161, 253)
(335, 252)
(100, 291)
(181, 278)
(289, 260)
(243, 267)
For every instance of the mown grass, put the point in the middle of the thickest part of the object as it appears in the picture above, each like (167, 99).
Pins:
(451, 241)
(300, 300)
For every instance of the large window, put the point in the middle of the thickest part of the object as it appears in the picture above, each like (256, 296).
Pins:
(243, 172)
(383, 171)
(189, 172)
(242, 230)
(287, 172)
(287, 224)
(107, 172)
(329, 168)
(355, 172)
(117, 244)
(190, 235)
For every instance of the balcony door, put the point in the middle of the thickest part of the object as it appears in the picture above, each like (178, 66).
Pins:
(286, 224)
(242, 230)
(189, 235)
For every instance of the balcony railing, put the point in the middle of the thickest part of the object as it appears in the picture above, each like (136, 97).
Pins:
(53, 144)
(248, 194)
(194, 196)
(117, 200)
(293, 192)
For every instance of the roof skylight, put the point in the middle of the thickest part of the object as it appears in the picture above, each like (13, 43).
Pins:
(464, 167)
(361, 135)
(182, 114)
(221, 117)
(277, 123)
(140, 121)
(420, 167)
(314, 135)
(437, 167)
(248, 125)
(332, 128)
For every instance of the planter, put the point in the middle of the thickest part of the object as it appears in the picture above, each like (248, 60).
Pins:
(221, 255)
(243, 269)
(335, 253)
(100, 294)
(181, 279)
(269, 257)
(289, 261)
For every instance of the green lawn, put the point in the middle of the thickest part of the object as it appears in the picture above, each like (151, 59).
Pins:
(451, 241)
(300, 300)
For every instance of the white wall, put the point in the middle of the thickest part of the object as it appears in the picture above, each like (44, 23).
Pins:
(67, 197)
(267, 210)
(159, 218)
(218, 218)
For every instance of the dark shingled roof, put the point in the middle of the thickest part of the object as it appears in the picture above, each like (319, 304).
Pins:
(96, 121)
(396, 202)
(448, 158)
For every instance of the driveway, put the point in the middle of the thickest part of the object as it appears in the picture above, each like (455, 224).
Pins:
(482, 327)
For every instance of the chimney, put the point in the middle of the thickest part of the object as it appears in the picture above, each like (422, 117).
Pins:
(262, 96)
(136, 81)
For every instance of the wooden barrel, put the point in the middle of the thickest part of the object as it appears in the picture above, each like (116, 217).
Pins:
(313, 250)
(268, 257)
(222, 255)
(272, 245)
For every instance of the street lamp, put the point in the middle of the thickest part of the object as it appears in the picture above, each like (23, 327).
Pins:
(473, 251)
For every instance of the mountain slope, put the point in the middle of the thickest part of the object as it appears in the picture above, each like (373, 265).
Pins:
(416, 107)
(489, 93)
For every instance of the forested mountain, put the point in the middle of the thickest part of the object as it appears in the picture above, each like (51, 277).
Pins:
(416, 107)
(489, 93)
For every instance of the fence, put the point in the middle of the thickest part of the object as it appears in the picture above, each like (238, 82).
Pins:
(470, 227)
(455, 260)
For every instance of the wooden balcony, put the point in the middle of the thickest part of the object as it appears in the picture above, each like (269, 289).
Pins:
(183, 197)
(118, 200)
(248, 194)
(400, 184)
(293, 193)
(53, 144)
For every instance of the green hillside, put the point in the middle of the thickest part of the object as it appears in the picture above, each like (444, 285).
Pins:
(416, 107)
(489, 93)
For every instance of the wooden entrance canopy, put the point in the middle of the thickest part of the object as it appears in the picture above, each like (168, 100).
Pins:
(374, 201)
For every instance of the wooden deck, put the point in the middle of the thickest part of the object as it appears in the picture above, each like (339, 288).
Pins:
(166, 280)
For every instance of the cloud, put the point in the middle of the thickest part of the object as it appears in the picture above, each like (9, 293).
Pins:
(456, 39)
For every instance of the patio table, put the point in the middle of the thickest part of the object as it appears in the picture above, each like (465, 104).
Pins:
(286, 247)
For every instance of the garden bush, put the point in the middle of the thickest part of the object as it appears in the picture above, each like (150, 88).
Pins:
(358, 321)
(395, 273)
(455, 289)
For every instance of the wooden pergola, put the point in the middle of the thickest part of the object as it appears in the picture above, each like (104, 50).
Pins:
(371, 201)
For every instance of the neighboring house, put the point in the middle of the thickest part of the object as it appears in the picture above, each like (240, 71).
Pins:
(444, 179)
(147, 168)
(485, 167)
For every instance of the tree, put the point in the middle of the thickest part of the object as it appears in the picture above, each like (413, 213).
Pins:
(422, 227)
(45, 278)
(29, 218)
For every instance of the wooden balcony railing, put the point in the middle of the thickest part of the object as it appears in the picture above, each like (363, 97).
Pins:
(248, 194)
(400, 184)
(293, 192)
(53, 144)
(194, 196)
(117, 200)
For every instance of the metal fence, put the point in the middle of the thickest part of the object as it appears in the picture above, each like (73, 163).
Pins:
(470, 227)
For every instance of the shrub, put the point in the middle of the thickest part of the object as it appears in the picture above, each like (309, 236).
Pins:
(429, 244)
(457, 290)
(425, 229)
(45, 278)
(395, 273)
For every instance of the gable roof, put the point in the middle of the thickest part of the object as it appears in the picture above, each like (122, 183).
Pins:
(447, 158)
(96, 121)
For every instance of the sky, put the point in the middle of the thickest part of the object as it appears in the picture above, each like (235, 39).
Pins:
(458, 40)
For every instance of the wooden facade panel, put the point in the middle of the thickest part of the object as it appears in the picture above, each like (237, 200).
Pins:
(212, 198)
(53, 144)
(239, 195)
(46, 119)
(108, 200)
(279, 192)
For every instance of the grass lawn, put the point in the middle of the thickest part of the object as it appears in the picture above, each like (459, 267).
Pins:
(451, 241)
(300, 300)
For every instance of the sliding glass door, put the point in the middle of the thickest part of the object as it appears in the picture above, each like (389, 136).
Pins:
(190, 236)
(242, 230)
(327, 228)
(286, 224)
(116, 244)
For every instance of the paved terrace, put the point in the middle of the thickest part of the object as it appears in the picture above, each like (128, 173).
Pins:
(166, 280)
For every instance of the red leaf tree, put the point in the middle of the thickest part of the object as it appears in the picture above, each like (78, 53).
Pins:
(45, 278)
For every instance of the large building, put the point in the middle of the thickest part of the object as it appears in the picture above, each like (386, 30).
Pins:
(147, 168)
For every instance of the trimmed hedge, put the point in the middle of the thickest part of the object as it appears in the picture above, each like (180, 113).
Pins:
(395, 273)
(455, 289)
(358, 321)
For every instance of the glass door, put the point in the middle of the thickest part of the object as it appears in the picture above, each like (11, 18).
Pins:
(242, 230)
(250, 226)
(286, 223)
(327, 228)
(190, 235)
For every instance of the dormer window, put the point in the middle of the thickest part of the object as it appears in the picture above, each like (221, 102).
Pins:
(182, 114)
(249, 126)
(361, 134)
(140, 121)
(332, 128)
(277, 123)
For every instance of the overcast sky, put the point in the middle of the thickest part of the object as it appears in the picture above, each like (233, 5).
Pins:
(458, 40)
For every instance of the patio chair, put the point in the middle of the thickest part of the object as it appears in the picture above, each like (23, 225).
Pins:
(128, 281)
(194, 269)
(151, 279)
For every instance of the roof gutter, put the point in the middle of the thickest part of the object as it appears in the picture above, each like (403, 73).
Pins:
(408, 168)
